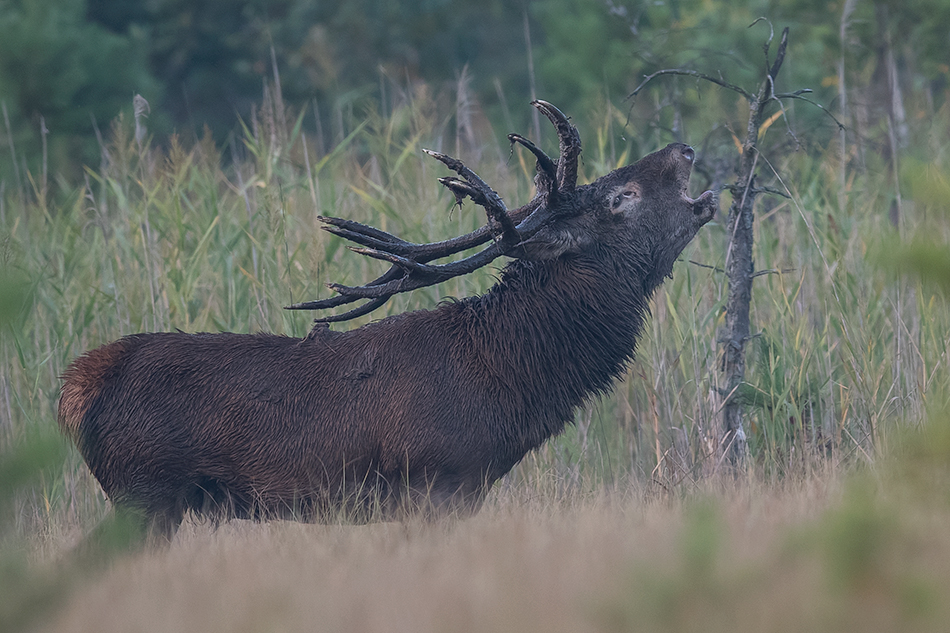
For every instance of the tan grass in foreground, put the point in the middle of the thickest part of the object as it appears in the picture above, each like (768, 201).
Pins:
(752, 559)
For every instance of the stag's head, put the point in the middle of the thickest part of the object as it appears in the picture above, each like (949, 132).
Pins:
(652, 196)
(644, 207)
(642, 212)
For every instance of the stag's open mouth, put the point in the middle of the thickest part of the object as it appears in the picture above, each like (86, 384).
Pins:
(705, 206)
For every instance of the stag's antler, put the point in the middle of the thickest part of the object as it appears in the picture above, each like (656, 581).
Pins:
(556, 181)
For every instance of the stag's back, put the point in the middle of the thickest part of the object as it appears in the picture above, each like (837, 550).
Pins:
(270, 418)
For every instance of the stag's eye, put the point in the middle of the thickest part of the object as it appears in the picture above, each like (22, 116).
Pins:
(627, 195)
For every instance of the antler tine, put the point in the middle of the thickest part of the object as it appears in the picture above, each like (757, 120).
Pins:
(408, 265)
(410, 269)
(359, 311)
(339, 300)
(480, 193)
(509, 234)
(361, 228)
(569, 145)
(365, 240)
(422, 276)
(460, 189)
(545, 164)
(381, 240)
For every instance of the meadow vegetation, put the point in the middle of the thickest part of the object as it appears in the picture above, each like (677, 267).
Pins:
(623, 522)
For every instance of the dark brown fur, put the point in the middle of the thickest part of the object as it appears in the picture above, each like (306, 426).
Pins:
(421, 410)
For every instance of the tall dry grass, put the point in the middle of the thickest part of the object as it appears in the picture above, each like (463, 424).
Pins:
(816, 555)
(201, 238)
(531, 566)
(620, 523)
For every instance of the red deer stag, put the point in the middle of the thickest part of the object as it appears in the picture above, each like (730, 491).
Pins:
(418, 412)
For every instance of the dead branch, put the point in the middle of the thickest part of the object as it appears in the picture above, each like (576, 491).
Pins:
(739, 266)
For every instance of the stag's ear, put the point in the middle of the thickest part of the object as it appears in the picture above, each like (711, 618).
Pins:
(548, 243)
(560, 238)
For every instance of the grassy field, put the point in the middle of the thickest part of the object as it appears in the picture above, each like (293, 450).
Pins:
(816, 554)
(624, 522)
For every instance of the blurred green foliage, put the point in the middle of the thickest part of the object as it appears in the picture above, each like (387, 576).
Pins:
(57, 64)
(76, 63)
(14, 294)
(30, 591)
(32, 460)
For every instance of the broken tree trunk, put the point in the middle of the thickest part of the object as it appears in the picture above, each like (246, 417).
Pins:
(739, 261)
(740, 265)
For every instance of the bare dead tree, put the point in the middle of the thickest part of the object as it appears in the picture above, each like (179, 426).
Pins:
(739, 265)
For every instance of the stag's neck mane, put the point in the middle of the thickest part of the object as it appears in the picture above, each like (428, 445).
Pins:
(558, 332)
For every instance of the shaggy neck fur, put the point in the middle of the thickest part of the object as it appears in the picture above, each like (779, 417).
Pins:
(554, 334)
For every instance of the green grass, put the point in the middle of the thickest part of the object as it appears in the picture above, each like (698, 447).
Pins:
(851, 348)
(170, 238)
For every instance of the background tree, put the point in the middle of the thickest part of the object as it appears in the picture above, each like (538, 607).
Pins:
(204, 63)
(56, 64)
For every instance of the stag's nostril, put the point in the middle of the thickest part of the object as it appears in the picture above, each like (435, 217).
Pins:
(689, 153)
